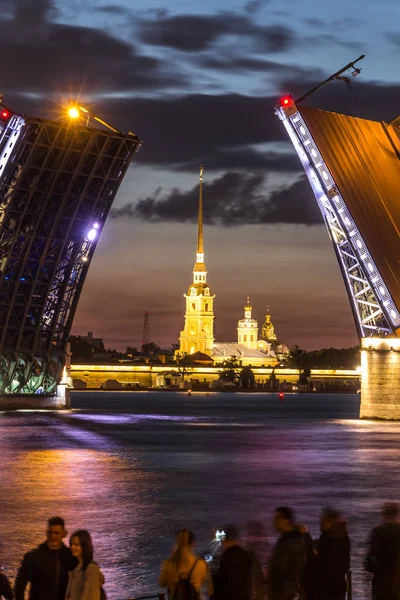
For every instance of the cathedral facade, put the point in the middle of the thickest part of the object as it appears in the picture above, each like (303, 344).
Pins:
(197, 336)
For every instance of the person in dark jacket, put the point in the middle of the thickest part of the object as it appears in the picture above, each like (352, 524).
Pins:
(308, 587)
(46, 567)
(383, 556)
(233, 580)
(333, 556)
(5, 588)
(259, 547)
(288, 558)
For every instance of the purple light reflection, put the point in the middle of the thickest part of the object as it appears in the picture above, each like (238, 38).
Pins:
(113, 419)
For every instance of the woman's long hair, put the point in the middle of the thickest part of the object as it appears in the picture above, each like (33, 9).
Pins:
(86, 544)
(184, 541)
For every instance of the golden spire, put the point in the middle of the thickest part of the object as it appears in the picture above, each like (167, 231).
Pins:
(200, 271)
(200, 240)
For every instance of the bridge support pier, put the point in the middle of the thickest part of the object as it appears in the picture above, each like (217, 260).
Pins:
(380, 378)
(58, 401)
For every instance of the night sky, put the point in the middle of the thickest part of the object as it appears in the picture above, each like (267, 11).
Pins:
(198, 81)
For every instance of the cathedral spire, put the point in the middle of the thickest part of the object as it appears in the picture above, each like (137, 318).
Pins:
(200, 271)
(200, 239)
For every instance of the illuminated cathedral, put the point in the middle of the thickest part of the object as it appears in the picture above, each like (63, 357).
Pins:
(197, 336)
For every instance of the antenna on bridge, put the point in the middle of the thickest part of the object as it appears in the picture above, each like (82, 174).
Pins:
(338, 76)
(146, 328)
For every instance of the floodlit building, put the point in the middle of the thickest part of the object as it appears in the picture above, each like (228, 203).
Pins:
(198, 332)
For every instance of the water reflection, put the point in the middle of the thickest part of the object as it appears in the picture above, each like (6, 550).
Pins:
(133, 468)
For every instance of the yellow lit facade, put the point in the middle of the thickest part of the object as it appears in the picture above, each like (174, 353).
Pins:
(248, 328)
(198, 331)
(118, 376)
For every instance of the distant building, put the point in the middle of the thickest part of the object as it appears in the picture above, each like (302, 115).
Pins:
(197, 335)
(95, 342)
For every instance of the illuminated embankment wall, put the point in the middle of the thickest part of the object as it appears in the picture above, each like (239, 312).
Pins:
(380, 376)
(118, 376)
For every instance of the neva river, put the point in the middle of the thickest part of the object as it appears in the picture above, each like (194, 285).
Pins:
(134, 467)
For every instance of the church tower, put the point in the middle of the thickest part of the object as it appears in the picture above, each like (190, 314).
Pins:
(248, 328)
(268, 330)
(198, 331)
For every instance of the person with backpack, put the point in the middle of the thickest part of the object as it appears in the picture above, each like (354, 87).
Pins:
(184, 573)
(86, 580)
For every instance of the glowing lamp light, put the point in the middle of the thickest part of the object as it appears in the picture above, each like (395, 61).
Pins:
(96, 225)
(281, 396)
(73, 112)
(5, 114)
(92, 233)
(286, 101)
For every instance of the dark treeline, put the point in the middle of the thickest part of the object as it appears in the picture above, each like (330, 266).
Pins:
(326, 358)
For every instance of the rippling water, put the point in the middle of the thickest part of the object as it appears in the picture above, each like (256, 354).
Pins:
(134, 467)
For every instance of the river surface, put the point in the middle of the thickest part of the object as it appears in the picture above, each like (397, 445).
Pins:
(132, 468)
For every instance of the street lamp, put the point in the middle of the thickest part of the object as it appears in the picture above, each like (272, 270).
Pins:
(73, 112)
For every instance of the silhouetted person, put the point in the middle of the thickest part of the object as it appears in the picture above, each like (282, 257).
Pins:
(287, 560)
(233, 580)
(383, 556)
(5, 587)
(258, 545)
(257, 541)
(333, 556)
(308, 586)
(46, 567)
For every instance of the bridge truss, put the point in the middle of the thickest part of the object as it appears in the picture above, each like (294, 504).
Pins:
(374, 310)
(57, 185)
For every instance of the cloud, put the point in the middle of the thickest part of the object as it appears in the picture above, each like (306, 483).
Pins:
(244, 158)
(45, 57)
(235, 62)
(194, 33)
(31, 12)
(253, 6)
(232, 199)
(393, 38)
(225, 130)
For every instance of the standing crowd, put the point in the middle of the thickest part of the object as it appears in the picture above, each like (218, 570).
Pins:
(297, 568)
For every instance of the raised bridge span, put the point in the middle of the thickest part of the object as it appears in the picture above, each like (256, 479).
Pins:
(353, 166)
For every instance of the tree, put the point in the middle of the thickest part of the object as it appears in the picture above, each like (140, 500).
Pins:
(151, 349)
(183, 362)
(80, 349)
(299, 359)
(131, 350)
(174, 347)
(247, 377)
(230, 371)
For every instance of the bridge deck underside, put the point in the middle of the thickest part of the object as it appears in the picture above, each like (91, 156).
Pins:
(363, 158)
